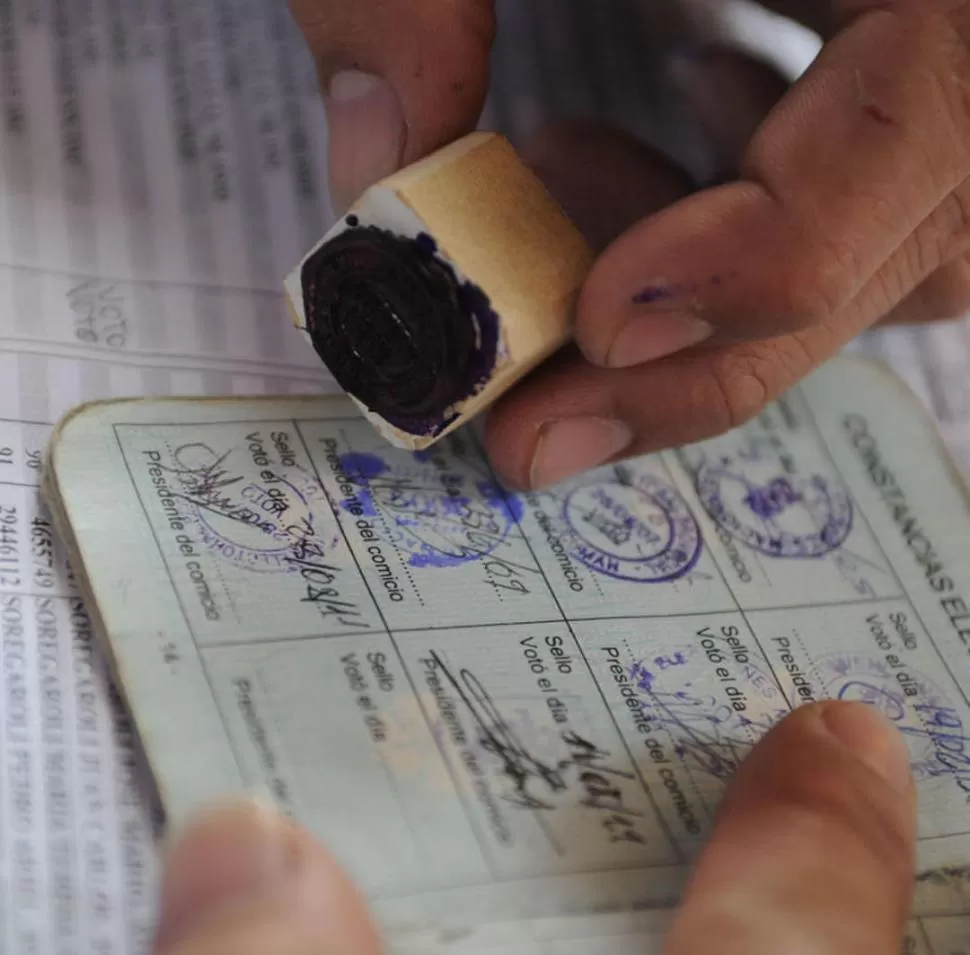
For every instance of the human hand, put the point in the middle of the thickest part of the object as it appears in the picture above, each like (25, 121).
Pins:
(813, 850)
(847, 204)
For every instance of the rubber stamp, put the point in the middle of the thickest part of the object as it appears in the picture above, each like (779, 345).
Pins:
(442, 287)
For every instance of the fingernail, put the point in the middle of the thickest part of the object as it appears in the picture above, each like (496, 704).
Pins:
(366, 132)
(873, 740)
(229, 857)
(572, 445)
(652, 336)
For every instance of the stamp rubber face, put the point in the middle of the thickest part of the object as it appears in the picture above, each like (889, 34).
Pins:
(397, 328)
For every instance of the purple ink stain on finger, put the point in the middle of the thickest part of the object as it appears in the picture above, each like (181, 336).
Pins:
(651, 294)
(662, 293)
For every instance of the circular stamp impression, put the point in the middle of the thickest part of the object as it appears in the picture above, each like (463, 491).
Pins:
(931, 725)
(264, 526)
(779, 514)
(639, 530)
(712, 722)
(438, 518)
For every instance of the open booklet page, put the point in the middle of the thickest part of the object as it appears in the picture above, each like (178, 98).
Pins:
(498, 706)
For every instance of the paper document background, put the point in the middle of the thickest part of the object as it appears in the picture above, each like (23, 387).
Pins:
(161, 167)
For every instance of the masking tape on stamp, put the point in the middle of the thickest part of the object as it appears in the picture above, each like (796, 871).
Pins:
(444, 285)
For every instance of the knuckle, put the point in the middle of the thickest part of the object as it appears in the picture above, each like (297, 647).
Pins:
(737, 390)
(950, 224)
(891, 283)
(945, 294)
(953, 290)
(933, 261)
(818, 281)
(744, 380)
(813, 278)
(942, 35)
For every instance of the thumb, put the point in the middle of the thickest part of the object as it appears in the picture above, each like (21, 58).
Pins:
(399, 80)
(243, 881)
(813, 850)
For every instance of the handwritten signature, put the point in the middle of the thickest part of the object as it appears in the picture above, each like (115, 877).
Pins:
(704, 731)
(448, 523)
(541, 785)
(207, 482)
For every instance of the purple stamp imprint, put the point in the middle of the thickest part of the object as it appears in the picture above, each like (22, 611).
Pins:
(931, 725)
(713, 700)
(760, 499)
(635, 528)
(256, 523)
(436, 518)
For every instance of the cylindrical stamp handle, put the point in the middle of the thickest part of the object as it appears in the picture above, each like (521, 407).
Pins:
(446, 284)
